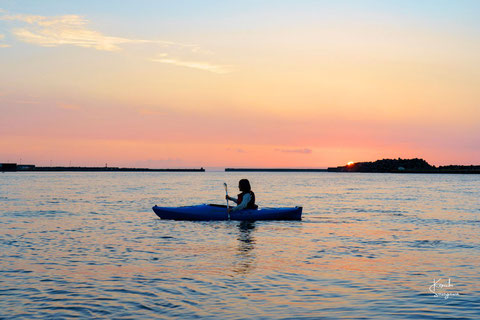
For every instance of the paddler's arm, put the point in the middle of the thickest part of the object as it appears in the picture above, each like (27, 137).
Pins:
(231, 199)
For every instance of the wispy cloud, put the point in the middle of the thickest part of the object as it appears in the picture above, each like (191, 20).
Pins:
(201, 65)
(304, 151)
(68, 106)
(152, 112)
(3, 45)
(64, 30)
(74, 30)
(27, 102)
(239, 150)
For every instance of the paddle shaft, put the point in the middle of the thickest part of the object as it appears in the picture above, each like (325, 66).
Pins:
(228, 205)
(226, 193)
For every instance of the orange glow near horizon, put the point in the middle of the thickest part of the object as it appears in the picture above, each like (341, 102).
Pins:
(288, 93)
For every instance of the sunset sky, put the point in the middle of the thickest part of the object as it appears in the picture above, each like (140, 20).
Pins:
(239, 83)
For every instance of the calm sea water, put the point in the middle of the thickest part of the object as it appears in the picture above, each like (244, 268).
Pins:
(88, 245)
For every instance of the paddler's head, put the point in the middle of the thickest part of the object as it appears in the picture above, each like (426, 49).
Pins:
(244, 185)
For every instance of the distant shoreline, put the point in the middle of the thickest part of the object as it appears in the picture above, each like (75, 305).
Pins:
(380, 166)
(13, 167)
(404, 166)
(438, 171)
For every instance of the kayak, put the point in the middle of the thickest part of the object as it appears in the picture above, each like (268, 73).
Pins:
(205, 212)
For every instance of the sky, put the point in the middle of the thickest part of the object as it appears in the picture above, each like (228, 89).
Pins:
(306, 84)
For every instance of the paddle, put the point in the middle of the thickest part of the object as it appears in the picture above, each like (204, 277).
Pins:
(226, 193)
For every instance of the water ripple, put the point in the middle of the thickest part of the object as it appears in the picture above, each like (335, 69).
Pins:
(88, 246)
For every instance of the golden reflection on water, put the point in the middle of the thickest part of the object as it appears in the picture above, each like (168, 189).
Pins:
(246, 244)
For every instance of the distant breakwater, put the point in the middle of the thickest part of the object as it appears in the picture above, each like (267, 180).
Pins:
(275, 170)
(13, 167)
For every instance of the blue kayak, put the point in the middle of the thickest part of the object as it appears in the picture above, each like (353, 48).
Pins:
(205, 212)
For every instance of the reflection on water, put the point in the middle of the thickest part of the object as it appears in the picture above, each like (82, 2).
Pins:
(246, 244)
(87, 245)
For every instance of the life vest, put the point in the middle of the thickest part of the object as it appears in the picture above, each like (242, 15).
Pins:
(251, 204)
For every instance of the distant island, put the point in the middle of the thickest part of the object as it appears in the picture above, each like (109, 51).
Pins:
(13, 167)
(403, 166)
(381, 166)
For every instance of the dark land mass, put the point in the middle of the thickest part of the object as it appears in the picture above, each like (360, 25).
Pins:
(403, 166)
(21, 167)
(383, 166)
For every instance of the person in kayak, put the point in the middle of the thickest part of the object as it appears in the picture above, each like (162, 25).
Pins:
(246, 199)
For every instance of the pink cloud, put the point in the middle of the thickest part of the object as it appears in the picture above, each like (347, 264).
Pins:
(302, 151)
